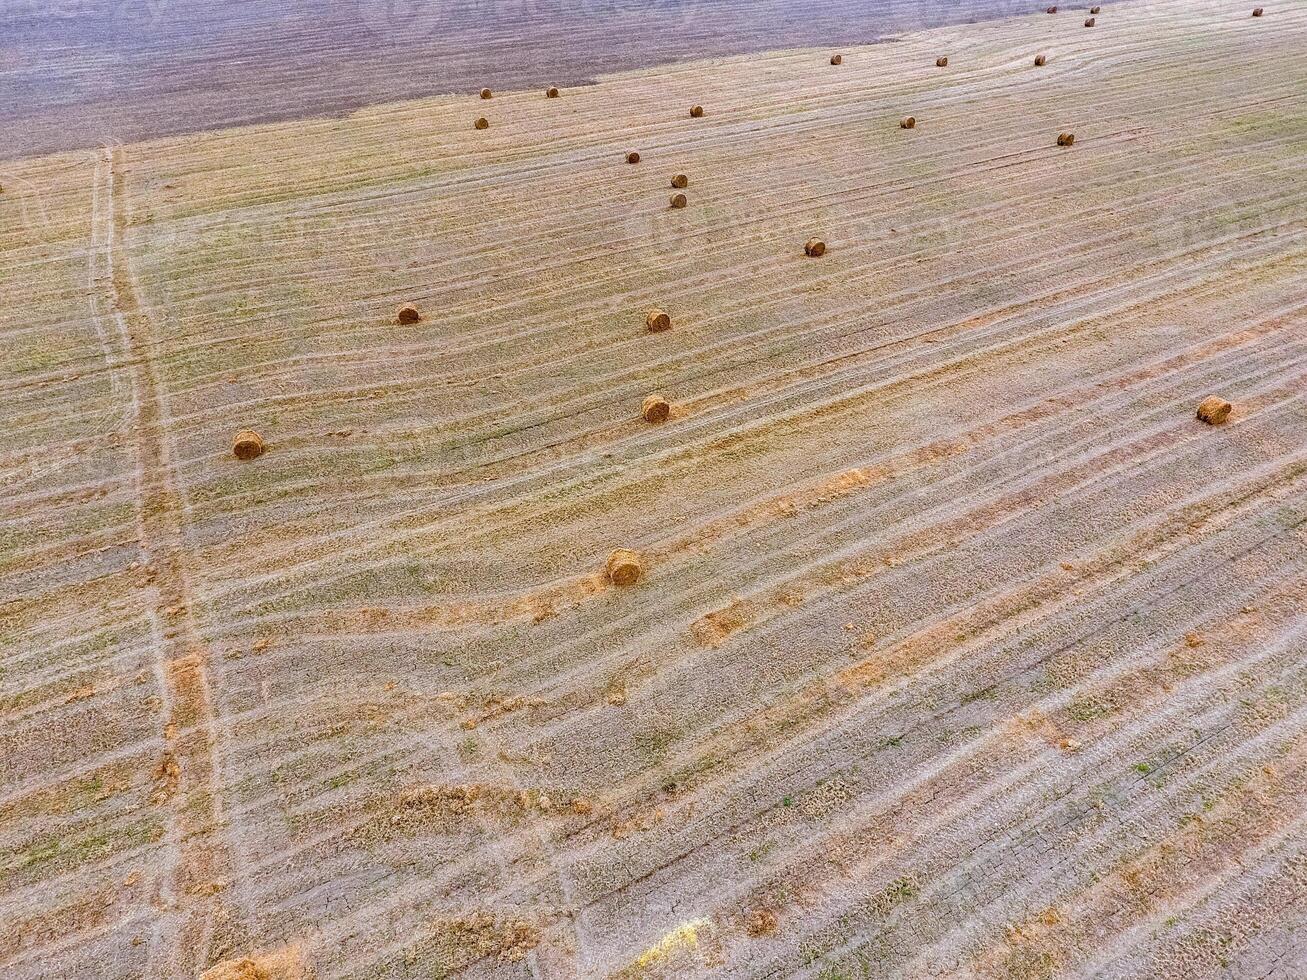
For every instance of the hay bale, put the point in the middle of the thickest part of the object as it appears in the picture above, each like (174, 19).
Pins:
(1095, 10)
(1051, 10)
(696, 111)
(655, 408)
(408, 314)
(551, 92)
(657, 321)
(1040, 61)
(633, 157)
(814, 248)
(941, 62)
(680, 181)
(486, 93)
(1257, 11)
(1089, 22)
(1066, 139)
(837, 59)
(482, 123)
(677, 201)
(908, 122)
(1214, 410)
(624, 567)
(247, 445)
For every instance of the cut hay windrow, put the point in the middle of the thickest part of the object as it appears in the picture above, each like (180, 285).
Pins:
(657, 321)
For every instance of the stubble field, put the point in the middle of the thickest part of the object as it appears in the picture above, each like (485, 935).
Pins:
(962, 649)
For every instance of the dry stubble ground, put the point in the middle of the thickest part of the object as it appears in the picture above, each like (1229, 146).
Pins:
(963, 648)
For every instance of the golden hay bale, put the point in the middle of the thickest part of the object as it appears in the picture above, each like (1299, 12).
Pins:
(1257, 11)
(696, 111)
(908, 122)
(247, 445)
(1214, 410)
(482, 123)
(633, 157)
(837, 59)
(551, 92)
(1066, 139)
(1040, 61)
(655, 409)
(941, 62)
(1095, 10)
(814, 248)
(677, 201)
(624, 568)
(657, 321)
(407, 314)
(680, 181)
(486, 93)
(1089, 22)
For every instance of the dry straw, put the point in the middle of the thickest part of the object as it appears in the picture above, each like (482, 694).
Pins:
(814, 248)
(696, 111)
(680, 181)
(482, 123)
(624, 567)
(657, 321)
(655, 408)
(408, 313)
(677, 201)
(551, 92)
(1066, 139)
(908, 122)
(486, 93)
(247, 445)
(1214, 410)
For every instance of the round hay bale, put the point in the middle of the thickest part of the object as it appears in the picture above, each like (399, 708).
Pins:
(657, 321)
(551, 92)
(486, 93)
(1040, 61)
(814, 248)
(1257, 11)
(1214, 410)
(482, 123)
(633, 157)
(941, 62)
(1095, 10)
(1066, 139)
(624, 567)
(1089, 22)
(247, 445)
(677, 201)
(655, 408)
(680, 181)
(1051, 10)
(837, 59)
(408, 313)
(696, 111)
(908, 122)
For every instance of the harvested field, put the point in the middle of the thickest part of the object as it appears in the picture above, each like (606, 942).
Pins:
(929, 633)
